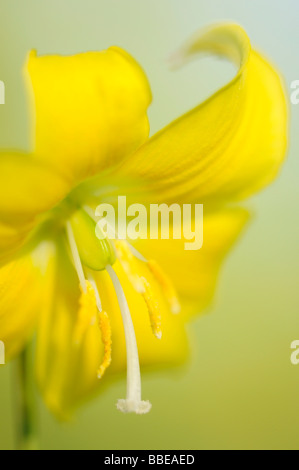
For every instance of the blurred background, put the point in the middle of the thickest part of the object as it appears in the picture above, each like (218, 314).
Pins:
(240, 390)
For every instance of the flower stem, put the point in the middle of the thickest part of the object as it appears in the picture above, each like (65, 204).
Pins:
(25, 403)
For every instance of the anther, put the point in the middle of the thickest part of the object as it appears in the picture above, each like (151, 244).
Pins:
(105, 328)
(87, 312)
(128, 262)
(166, 286)
(153, 309)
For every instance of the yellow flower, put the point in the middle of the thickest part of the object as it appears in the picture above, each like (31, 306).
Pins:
(94, 300)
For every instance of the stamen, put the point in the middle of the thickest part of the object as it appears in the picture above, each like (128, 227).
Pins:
(87, 312)
(136, 253)
(127, 260)
(133, 402)
(94, 285)
(76, 257)
(153, 309)
(90, 306)
(166, 285)
(162, 278)
(105, 328)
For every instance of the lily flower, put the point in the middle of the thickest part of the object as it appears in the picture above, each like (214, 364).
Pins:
(102, 306)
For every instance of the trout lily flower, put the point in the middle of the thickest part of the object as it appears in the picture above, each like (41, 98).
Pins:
(102, 306)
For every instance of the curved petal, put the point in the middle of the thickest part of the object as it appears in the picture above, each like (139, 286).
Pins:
(194, 273)
(27, 189)
(20, 289)
(228, 147)
(90, 110)
(66, 371)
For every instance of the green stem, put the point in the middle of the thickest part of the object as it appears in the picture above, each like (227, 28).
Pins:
(25, 403)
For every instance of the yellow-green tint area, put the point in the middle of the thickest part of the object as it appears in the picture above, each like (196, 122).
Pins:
(239, 390)
(95, 252)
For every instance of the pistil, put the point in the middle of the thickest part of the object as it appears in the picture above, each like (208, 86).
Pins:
(133, 402)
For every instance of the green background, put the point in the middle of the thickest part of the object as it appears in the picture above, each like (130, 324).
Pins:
(239, 390)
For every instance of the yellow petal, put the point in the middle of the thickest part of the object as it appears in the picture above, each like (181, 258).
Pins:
(11, 239)
(90, 109)
(229, 146)
(194, 273)
(67, 371)
(27, 189)
(20, 296)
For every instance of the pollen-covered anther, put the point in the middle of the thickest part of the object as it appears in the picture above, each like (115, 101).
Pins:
(166, 286)
(87, 312)
(128, 262)
(105, 327)
(153, 309)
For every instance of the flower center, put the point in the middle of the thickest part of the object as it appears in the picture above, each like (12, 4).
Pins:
(89, 253)
(94, 253)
